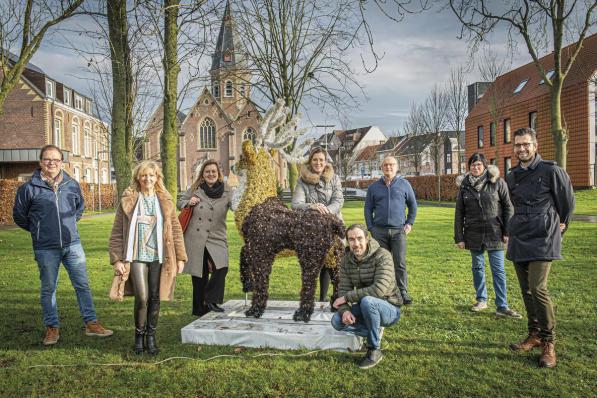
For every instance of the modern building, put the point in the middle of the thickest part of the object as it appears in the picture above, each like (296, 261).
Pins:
(523, 100)
(40, 110)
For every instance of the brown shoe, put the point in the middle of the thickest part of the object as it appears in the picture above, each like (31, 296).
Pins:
(548, 356)
(527, 344)
(52, 336)
(94, 328)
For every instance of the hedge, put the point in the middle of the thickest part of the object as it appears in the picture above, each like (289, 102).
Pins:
(425, 187)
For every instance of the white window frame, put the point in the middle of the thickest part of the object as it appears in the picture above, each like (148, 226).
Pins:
(77, 173)
(67, 94)
(75, 136)
(78, 102)
(520, 86)
(87, 106)
(87, 140)
(58, 130)
(49, 88)
(87, 176)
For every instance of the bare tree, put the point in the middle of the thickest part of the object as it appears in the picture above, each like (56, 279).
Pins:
(456, 95)
(531, 20)
(414, 130)
(23, 25)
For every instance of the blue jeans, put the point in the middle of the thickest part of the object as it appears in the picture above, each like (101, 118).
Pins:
(73, 258)
(496, 262)
(371, 314)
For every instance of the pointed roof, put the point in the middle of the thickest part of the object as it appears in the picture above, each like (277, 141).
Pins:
(229, 52)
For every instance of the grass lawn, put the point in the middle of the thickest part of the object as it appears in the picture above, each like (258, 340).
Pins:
(438, 349)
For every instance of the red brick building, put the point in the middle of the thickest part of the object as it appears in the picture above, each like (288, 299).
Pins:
(40, 111)
(221, 118)
(522, 100)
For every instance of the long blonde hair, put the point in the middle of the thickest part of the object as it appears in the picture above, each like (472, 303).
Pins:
(142, 167)
(199, 180)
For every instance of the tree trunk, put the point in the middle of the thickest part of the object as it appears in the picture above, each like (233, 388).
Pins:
(292, 176)
(558, 132)
(122, 95)
(169, 139)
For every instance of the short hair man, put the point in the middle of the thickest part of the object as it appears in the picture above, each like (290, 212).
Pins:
(543, 201)
(368, 297)
(386, 217)
(49, 207)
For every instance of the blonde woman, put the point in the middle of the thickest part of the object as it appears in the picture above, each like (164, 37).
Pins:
(206, 238)
(147, 241)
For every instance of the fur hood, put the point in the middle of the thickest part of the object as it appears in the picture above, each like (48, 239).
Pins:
(493, 174)
(312, 178)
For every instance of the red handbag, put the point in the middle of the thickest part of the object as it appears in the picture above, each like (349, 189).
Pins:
(185, 217)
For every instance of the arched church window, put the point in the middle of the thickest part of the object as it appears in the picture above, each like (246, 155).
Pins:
(228, 90)
(207, 134)
(250, 135)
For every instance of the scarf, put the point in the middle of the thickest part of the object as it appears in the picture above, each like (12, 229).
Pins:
(214, 192)
(478, 182)
(53, 183)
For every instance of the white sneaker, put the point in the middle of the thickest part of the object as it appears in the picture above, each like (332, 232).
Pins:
(479, 305)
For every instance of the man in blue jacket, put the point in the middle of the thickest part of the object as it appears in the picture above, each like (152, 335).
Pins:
(49, 207)
(387, 219)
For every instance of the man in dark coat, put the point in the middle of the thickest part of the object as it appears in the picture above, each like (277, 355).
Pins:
(543, 201)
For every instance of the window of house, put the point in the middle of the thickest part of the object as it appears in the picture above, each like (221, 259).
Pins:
(507, 165)
(87, 106)
(78, 102)
(105, 176)
(88, 175)
(87, 141)
(520, 86)
(58, 130)
(216, 89)
(207, 134)
(49, 89)
(67, 96)
(250, 135)
(228, 89)
(95, 176)
(75, 136)
(242, 90)
(533, 120)
(549, 75)
(493, 161)
(507, 132)
(480, 137)
(492, 134)
(77, 174)
(448, 158)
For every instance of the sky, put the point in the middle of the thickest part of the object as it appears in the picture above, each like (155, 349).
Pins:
(418, 53)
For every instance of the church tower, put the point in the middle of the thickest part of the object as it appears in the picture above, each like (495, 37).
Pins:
(230, 77)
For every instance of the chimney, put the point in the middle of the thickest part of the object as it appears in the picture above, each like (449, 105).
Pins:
(475, 92)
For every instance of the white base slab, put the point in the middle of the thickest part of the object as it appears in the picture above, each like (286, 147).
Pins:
(275, 329)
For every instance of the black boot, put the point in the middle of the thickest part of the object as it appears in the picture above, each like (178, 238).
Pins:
(150, 344)
(153, 312)
(139, 341)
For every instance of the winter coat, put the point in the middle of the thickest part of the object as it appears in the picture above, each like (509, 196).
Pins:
(312, 188)
(373, 275)
(385, 206)
(543, 198)
(50, 216)
(481, 218)
(206, 230)
(173, 243)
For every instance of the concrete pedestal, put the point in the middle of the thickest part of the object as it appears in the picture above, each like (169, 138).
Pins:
(275, 329)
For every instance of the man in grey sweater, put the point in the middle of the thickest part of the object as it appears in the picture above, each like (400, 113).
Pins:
(368, 297)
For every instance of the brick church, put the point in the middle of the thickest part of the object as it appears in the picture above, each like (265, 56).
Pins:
(220, 119)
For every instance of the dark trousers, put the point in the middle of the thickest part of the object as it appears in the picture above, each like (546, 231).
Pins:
(532, 277)
(208, 289)
(146, 283)
(394, 240)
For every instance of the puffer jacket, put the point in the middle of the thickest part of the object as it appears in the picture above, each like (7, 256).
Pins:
(51, 217)
(373, 275)
(311, 188)
(481, 218)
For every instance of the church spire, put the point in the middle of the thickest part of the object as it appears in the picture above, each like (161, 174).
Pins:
(229, 53)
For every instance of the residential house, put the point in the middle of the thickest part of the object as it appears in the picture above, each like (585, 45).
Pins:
(41, 110)
(524, 101)
(352, 142)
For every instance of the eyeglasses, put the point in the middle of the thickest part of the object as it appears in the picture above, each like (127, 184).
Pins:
(525, 145)
(48, 161)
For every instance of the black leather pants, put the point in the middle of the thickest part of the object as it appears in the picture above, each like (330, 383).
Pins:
(146, 281)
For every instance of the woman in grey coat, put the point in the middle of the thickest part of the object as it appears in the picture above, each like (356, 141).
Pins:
(319, 188)
(205, 237)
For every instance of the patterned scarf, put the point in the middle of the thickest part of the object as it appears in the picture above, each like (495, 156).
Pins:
(478, 182)
(53, 183)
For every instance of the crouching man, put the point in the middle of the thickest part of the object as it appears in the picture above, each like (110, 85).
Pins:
(368, 297)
